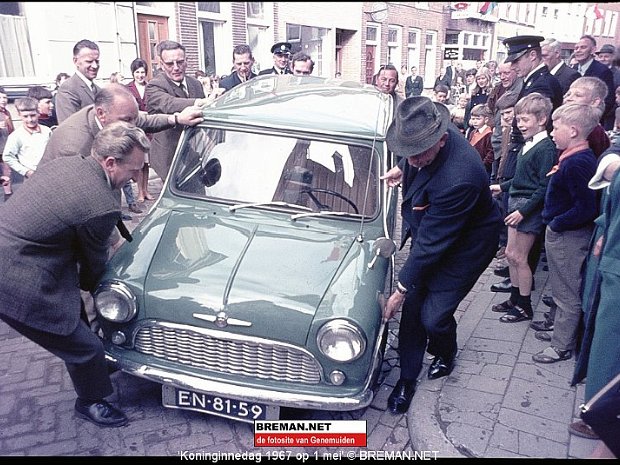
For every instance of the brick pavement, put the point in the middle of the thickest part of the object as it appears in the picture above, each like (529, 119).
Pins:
(496, 403)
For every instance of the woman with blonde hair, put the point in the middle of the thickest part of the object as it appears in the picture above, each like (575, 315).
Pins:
(480, 92)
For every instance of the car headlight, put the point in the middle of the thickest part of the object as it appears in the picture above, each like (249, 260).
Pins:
(115, 302)
(341, 340)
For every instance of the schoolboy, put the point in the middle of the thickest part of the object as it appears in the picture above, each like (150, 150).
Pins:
(25, 146)
(480, 136)
(44, 96)
(569, 211)
(525, 202)
(6, 128)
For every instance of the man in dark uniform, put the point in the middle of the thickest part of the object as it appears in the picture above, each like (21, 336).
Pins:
(525, 55)
(281, 54)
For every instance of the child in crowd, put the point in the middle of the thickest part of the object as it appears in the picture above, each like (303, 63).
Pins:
(457, 114)
(525, 203)
(480, 135)
(442, 93)
(6, 128)
(569, 211)
(46, 106)
(25, 146)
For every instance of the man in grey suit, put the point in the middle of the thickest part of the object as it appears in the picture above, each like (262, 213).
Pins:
(54, 242)
(113, 103)
(79, 90)
(551, 50)
(170, 92)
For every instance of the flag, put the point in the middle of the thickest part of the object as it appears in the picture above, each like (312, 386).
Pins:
(597, 12)
(487, 8)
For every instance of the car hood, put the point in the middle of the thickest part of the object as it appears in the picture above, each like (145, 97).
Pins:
(269, 279)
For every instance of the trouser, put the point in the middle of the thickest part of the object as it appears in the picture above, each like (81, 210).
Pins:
(83, 354)
(128, 191)
(427, 315)
(566, 252)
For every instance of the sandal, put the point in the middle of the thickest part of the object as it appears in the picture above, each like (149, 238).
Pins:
(503, 307)
(551, 355)
(581, 429)
(515, 315)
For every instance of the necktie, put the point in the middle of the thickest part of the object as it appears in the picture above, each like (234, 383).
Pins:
(182, 87)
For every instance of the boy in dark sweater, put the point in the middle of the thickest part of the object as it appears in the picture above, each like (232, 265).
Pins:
(525, 203)
(569, 212)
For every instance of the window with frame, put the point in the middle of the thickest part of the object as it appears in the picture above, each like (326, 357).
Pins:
(255, 10)
(394, 46)
(311, 40)
(209, 7)
(413, 48)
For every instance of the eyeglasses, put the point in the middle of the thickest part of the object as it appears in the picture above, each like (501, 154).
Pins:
(170, 64)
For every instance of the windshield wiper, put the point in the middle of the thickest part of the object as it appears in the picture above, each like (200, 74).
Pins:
(322, 213)
(265, 204)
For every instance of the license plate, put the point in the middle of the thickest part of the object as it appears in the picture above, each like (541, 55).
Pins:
(235, 409)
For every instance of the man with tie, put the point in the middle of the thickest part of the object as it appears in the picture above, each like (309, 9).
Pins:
(281, 54)
(171, 92)
(551, 55)
(242, 67)
(588, 66)
(79, 90)
(414, 85)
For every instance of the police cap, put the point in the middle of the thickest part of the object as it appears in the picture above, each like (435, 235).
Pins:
(518, 45)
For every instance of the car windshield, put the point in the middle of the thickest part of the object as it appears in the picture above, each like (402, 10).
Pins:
(263, 169)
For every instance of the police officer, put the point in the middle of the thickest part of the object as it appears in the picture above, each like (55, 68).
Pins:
(281, 54)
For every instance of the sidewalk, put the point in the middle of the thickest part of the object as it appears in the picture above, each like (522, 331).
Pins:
(498, 402)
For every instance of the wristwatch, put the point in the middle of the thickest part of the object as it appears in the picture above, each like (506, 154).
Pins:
(400, 288)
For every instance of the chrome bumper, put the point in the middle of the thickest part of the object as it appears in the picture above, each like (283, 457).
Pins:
(265, 396)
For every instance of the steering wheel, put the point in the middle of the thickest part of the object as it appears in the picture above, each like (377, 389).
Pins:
(311, 190)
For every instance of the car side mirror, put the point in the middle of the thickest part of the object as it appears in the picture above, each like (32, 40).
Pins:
(383, 247)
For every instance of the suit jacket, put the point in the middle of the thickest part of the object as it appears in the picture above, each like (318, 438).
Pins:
(73, 95)
(601, 71)
(414, 86)
(233, 80)
(54, 242)
(451, 217)
(566, 76)
(76, 135)
(131, 87)
(165, 96)
(272, 70)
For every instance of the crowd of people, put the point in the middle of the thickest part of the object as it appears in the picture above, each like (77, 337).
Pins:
(505, 161)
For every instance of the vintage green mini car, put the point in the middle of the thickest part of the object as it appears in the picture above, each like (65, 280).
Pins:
(257, 279)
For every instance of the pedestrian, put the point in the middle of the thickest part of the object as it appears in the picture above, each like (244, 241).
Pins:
(457, 114)
(242, 67)
(6, 128)
(302, 64)
(569, 211)
(454, 226)
(53, 242)
(525, 203)
(386, 81)
(80, 89)
(45, 99)
(479, 94)
(25, 146)
(171, 92)
(139, 70)
(588, 66)
(414, 84)
(551, 52)
(281, 52)
(480, 135)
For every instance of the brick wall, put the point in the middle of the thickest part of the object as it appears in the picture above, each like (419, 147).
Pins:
(187, 31)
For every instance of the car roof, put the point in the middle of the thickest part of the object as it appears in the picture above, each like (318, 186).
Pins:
(307, 104)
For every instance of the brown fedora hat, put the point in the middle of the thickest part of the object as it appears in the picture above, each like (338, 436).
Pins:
(418, 125)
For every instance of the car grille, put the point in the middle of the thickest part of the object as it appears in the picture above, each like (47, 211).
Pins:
(241, 356)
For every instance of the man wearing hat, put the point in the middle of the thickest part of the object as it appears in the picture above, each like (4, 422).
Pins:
(607, 56)
(281, 54)
(454, 225)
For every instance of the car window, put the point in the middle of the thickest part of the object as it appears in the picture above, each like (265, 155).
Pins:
(244, 167)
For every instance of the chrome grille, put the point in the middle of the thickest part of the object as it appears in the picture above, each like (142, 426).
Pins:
(238, 355)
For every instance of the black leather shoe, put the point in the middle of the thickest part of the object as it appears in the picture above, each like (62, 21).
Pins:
(503, 272)
(441, 367)
(548, 301)
(101, 413)
(542, 325)
(503, 286)
(401, 396)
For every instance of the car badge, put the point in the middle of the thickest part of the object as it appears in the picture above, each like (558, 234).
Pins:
(221, 320)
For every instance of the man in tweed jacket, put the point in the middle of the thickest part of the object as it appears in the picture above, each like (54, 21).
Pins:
(54, 242)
